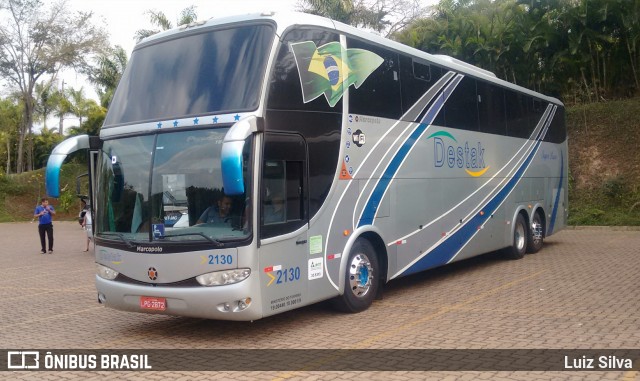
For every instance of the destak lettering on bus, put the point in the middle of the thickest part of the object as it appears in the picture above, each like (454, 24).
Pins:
(469, 156)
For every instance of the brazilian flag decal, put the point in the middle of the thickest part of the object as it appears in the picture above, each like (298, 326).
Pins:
(331, 69)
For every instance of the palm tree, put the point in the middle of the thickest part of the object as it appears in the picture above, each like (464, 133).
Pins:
(10, 120)
(373, 14)
(159, 19)
(79, 104)
(63, 107)
(91, 125)
(106, 75)
(45, 102)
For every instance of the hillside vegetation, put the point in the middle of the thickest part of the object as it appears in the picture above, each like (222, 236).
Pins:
(604, 171)
(604, 163)
(19, 194)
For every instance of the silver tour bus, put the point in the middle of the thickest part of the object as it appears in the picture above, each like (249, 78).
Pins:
(255, 164)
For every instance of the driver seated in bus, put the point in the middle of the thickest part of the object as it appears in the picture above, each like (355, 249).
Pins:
(217, 214)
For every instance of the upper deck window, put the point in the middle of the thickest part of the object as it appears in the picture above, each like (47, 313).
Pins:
(216, 71)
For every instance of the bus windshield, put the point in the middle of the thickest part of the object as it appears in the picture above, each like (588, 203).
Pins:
(213, 72)
(181, 199)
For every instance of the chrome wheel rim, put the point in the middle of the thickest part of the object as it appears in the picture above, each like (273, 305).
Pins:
(360, 275)
(519, 237)
(536, 228)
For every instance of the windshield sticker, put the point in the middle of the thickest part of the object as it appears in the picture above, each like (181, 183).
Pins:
(359, 138)
(315, 244)
(158, 230)
(331, 69)
(315, 268)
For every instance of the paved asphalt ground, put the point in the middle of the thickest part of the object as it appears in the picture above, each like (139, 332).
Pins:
(580, 292)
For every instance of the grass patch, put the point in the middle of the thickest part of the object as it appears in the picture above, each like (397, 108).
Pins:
(20, 194)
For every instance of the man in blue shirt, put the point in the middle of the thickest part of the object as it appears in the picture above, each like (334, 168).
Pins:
(218, 214)
(44, 212)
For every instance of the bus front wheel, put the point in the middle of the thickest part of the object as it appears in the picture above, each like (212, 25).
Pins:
(361, 278)
(519, 240)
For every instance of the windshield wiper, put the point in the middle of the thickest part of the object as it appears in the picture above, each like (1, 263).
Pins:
(214, 241)
(121, 236)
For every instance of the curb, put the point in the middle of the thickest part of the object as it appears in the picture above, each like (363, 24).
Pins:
(610, 228)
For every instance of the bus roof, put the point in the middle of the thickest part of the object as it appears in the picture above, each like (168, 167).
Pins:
(285, 20)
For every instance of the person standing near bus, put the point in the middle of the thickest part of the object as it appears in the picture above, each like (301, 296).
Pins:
(86, 222)
(45, 213)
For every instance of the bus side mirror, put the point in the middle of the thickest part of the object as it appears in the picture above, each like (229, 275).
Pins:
(231, 156)
(231, 163)
(54, 164)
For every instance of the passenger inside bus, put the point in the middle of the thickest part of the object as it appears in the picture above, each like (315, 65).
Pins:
(274, 209)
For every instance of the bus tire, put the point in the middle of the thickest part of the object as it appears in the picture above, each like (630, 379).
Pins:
(536, 235)
(519, 240)
(361, 278)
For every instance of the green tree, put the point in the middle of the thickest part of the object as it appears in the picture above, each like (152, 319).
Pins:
(63, 107)
(161, 21)
(107, 73)
(576, 49)
(79, 104)
(10, 119)
(630, 35)
(95, 118)
(380, 15)
(38, 40)
(45, 102)
(45, 141)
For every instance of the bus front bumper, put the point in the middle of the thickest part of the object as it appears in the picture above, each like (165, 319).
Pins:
(240, 301)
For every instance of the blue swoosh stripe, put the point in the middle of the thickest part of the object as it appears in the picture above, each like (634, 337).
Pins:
(557, 201)
(370, 209)
(444, 252)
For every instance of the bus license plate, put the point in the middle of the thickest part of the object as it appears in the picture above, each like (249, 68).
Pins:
(151, 303)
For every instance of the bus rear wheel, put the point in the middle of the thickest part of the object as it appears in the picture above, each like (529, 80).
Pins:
(519, 241)
(536, 235)
(361, 278)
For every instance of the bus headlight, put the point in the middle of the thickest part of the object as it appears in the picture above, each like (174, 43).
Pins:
(106, 272)
(219, 278)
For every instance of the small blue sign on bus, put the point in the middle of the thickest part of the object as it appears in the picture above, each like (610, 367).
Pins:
(158, 230)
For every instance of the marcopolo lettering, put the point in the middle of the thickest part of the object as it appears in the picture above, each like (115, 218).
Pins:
(149, 249)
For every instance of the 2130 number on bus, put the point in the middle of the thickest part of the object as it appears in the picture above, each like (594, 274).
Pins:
(278, 275)
(288, 275)
(220, 259)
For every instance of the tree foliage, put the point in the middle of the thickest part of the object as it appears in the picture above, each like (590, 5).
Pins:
(161, 21)
(37, 41)
(95, 115)
(383, 16)
(10, 119)
(107, 72)
(581, 50)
